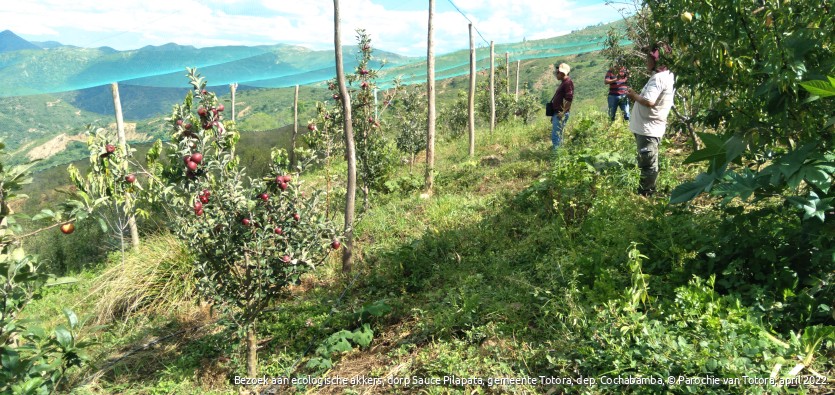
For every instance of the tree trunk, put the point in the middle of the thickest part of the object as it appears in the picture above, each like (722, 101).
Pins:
(350, 149)
(492, 89)
(365, 193)
(120, 131)
(295, 129)
(518, 65)
(233, 88)
(251, 352)
(430, 94)
(471, 96)
(507, 71)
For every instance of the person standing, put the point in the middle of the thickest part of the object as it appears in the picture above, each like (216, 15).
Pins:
(561, 104)
(617, 91)
(648, 120)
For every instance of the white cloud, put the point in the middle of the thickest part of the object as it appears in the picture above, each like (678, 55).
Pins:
(134, 23)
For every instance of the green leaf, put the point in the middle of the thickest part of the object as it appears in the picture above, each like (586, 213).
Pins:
(10, 359)
(717, 150)
(341, 345)
(72, 319)
(363, 336)
(45, 213)
(64, 337)
(817, 174)
(60, 281)
(820, 88)
(813, 206)
(376, 309)
(31, 386)
(689, 190)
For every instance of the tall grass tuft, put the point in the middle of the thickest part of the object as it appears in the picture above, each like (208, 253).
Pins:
(156, 278)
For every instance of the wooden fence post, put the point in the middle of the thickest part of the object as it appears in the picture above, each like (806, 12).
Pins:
(123, 145)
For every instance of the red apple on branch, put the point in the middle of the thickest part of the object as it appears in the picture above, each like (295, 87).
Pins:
(68, 228)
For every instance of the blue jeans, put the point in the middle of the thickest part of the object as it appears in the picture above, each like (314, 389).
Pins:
(557, 125)
(616, 101)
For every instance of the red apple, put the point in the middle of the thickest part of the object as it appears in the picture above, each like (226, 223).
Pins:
(198, 213)
(198, 206)
(110, 148)
(282, 185)
(296, 216)
(335, 96)
(264, 197)
(311, 126)
(286, 259)
(335, 245)
(196, 157)
(187, 159)
(246, 222)
(204, 199)
(130, 178)
(179, 122)
(205, 92)
(364, 85)
(68, 228)
(221, 107)
(187, 126)
(278, 231)
(207, 192)
(201, 111)
(363, 71)
(191, 165)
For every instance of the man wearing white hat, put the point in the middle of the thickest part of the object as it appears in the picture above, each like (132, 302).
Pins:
(561, 103)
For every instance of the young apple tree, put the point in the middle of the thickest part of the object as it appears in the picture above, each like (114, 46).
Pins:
(250, 237)
(375, 155)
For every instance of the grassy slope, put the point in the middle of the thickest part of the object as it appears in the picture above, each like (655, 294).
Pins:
(485, 278)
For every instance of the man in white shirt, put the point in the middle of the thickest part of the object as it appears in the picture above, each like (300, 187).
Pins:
(648, 119)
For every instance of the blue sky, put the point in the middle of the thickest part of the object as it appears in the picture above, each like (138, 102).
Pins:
(394, 25)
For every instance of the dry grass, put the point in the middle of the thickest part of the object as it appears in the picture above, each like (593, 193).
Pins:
(157, 278)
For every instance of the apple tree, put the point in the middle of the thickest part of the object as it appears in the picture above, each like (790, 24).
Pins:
(375, 154)
(251, 237)
(107, 187)
(410, 113)
(32, 360)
